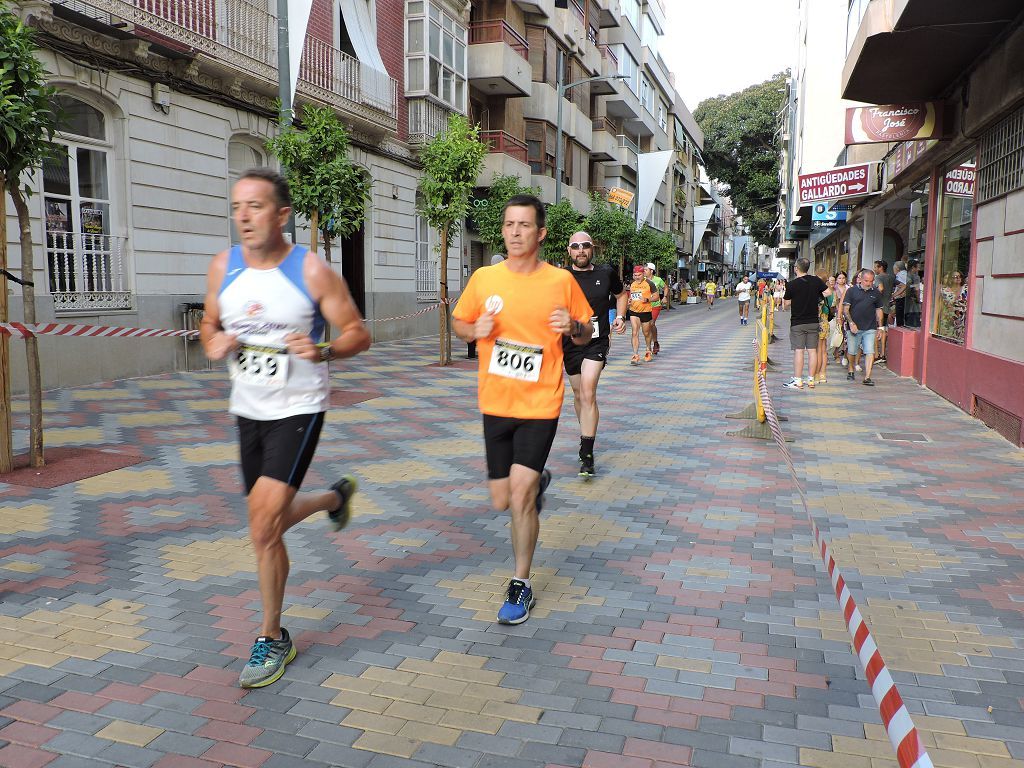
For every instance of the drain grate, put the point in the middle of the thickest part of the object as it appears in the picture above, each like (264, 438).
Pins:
(905, 437)
(999, 419)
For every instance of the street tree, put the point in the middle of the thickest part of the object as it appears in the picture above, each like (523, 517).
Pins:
(28, 121)
(487, 212)
(612, 227)
(562, 221)
(741, 150)
(327, 188)
(651, 245)
(451, 164)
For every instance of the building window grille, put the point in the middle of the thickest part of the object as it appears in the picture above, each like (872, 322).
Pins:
(85, 260)
(1001, 158)
(436, 54)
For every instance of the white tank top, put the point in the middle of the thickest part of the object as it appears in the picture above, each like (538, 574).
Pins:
(260, 307)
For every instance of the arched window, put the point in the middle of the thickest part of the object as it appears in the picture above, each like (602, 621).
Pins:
(241, 157)
(85, 261)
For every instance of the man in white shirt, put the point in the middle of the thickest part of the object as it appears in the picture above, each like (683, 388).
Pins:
(743, 289)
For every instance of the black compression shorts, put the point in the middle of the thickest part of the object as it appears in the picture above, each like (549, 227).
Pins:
(281, 449)
(645, 317)
(509, 441)
(595, 349)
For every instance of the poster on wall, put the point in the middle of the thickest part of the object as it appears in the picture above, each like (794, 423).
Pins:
(959, 181)
(92, 221)
(58, 216)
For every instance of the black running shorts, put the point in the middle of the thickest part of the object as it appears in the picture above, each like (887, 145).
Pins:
(595, 349)
(281, 449)
(511, 441)
(645, 317)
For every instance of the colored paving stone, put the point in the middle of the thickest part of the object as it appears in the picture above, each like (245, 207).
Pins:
(683, 615)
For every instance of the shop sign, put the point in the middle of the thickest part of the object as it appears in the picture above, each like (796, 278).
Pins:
(836, 183)
(620, 197)
(906, 153)
(959, 181)
(882, 123)
(824, 217)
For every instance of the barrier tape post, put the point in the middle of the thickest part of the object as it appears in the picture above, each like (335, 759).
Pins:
(899, 726)
(759, 430)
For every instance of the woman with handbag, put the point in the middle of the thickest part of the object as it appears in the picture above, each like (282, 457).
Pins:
(839, 347)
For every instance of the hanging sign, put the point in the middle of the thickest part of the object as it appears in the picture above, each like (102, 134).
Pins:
(959, 181)
(620, 197)
(884, 123)
(839, 182)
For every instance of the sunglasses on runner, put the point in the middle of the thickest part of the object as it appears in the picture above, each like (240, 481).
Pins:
(579, 246)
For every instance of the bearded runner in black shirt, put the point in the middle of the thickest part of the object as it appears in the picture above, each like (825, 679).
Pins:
(600, 284)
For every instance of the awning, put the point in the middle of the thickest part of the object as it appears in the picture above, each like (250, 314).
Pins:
(375, 82)
(650, 172)
(701, 217)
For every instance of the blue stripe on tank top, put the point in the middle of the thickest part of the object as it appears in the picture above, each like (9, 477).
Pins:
(302, 449)
(236, 266)
(292, 268)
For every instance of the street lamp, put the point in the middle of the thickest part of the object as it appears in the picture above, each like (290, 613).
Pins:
(561, 89)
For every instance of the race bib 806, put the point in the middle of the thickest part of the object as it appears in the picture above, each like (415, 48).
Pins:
(516, 360)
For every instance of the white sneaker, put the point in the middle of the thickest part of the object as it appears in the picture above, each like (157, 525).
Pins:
(793, 383)
(857, 368)
(844, 362)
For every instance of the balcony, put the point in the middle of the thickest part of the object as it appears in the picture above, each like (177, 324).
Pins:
(623, 104)
(626, 153)
(609, 68)
(87, 272)
(913, 50)
(611, 13)
(499, 59)
(233, 44)
(605, 142)
(506, 156)
(545, 8)
(426, 120)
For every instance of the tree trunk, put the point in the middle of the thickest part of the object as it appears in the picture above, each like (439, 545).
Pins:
(314, 223)
(6, 458)
(28, 293)
(445, 336)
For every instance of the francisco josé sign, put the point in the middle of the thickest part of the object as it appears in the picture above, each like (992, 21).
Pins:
(836, 183)
(895, 122)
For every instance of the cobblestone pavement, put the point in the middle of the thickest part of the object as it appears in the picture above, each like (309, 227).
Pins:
(683, 615)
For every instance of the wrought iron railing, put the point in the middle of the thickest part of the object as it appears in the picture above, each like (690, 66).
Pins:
(504, 143)
(87, 271)
(426, 120)
(243, 34)
(497, 31)
(426, 279)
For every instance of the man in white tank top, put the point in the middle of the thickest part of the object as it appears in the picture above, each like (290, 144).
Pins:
(267, 303)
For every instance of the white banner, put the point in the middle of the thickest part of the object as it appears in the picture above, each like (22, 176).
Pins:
(650, 172)
(298, 20)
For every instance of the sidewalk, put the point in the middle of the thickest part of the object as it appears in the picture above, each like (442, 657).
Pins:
(683, 617)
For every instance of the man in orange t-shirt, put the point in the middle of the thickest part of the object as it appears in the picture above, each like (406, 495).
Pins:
(517, 312)
(641, 293)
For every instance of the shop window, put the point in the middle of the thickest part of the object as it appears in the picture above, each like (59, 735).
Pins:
(953, 256)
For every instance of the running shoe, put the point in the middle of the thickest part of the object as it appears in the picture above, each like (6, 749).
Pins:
(810, 383)
(346, 489)
(850, 376)
(868, 383)
(519, 600)
(587, 470)
(844, 362)
(657, 347)
(793, 383)
(822, 379)
(545, 481)
(635, 360)
(647, 356)
(857, 368)
(267, 661)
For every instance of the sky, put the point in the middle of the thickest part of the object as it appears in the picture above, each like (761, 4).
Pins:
(721, 46)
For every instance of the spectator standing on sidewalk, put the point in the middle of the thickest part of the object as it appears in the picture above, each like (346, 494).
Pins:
(803, 294)
(863, 306)
(884, 284)
(912, 307)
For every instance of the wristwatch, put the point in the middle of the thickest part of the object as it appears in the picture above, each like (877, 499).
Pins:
(326, 353)
(620, 317)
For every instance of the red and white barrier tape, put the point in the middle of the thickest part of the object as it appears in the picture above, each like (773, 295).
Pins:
(71, 329)
(910, 751)
(24, 331)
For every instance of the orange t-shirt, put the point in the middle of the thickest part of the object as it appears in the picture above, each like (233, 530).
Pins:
(520, 372)
(640, 292)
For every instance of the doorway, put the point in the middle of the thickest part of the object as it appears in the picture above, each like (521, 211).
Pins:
(353, 267)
